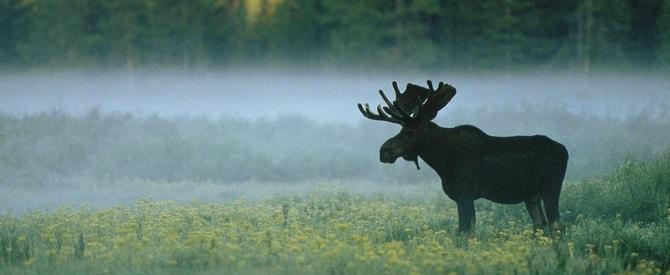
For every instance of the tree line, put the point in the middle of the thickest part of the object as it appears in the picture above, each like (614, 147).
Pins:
(401, 34)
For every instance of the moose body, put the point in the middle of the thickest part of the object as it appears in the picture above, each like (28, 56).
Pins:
(472, 164)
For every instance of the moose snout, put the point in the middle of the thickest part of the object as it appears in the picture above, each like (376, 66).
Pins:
(387, 156)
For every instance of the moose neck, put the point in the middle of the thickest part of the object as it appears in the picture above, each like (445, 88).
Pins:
(436, 149)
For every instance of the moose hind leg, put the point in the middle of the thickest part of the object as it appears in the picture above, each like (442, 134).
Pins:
(553, 215)
(552, 191)
(534, 207)
(550, 196)
(466, 216)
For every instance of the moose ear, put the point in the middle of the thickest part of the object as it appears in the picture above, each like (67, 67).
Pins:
(436, 101)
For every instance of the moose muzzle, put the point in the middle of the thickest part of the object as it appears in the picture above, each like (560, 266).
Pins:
(387, 156)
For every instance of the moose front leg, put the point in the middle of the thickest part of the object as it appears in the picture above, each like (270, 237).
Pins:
(466, 216)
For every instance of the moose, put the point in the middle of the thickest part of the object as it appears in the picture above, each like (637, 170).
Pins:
(471, 163)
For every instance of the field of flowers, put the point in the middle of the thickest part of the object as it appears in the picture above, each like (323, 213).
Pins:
(331, 232)
(619, 224)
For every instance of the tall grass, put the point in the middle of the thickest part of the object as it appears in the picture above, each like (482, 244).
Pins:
(636, 191)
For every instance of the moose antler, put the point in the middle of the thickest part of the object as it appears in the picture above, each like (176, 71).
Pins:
(380, 116)
(435, 101)
(428, 102)
(390, 112)
(392, 108)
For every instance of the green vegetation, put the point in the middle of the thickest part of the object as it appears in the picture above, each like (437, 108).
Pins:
(335, 231)
(636, 191)
(402, 34)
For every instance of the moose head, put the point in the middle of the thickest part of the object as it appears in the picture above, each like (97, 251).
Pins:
(413, 110)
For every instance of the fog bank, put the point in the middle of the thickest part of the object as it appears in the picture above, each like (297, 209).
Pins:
(320, 96)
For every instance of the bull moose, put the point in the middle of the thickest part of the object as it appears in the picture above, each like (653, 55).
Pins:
(470, 163)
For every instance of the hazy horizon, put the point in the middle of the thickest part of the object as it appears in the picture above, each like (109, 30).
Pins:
(321, 96)
(602, 118)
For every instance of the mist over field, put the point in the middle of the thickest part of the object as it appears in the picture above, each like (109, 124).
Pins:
(326, 95)
(71, 137)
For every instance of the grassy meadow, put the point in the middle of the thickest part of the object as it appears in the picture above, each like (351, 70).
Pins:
(318, 208)
(619, 223)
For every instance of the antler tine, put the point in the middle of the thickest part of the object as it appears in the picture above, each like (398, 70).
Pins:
(395, 87)
(392, 109)
(430, 85)
(394, 114)
(366, 112)
(381, 116)
(392, 118)
(388, 102)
